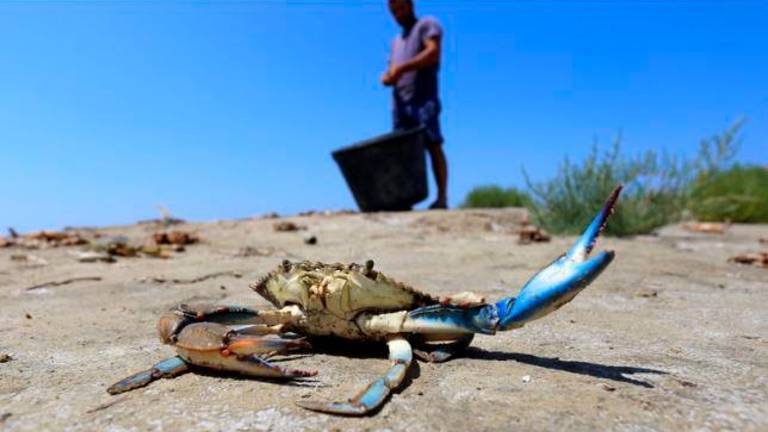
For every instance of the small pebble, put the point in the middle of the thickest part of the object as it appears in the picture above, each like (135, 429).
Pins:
(685, 383)
(5, 358)
(28, 316)
(527, 379)
(607, 387)
(310, 240)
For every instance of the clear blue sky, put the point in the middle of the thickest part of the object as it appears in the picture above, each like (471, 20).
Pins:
(231, 108)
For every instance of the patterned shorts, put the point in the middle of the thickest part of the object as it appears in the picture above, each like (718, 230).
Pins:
(409, 115)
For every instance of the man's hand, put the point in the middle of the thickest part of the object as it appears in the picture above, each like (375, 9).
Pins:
(391, 76)
(429, 56)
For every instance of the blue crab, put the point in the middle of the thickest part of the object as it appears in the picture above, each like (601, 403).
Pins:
(356, 302)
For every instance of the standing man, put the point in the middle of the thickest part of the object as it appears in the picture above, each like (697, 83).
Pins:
(412, 73)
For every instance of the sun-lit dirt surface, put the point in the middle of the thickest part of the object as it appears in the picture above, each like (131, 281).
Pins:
(671, 336)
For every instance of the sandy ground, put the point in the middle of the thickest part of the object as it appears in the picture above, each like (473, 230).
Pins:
(671, 337)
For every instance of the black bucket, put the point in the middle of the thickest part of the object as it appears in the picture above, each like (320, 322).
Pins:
(386, 173)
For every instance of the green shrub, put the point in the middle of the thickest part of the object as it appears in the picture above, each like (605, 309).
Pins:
(654, 193)
(657, 187)
(739, 194)
(495, 197)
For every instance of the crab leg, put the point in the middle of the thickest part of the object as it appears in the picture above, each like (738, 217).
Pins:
(216, 346)
(213, 345)
(182, 315)
(373, 395)
(442, 352)
(167, 368)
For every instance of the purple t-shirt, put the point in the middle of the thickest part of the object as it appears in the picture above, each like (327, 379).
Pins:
(419, 85)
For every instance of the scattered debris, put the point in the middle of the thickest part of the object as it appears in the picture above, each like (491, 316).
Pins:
(326, 212)
(251, 251)
(311, 240)
(107, 248)
(57, 238)
(180, 238)
(11, 240)
(113, 245)
(43, 239)
(159, 279)
(708, 227)
(685, 383)
(157, 251)
(532, 234)
(758, 259)
(5, 358)
(286, 226)
(29, 259)
(166, 219)
(607, 387)
(62, 282)
(648, 293)
(94, 256)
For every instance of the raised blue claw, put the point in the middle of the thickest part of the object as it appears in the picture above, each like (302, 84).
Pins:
(561, 281)
(545, 292)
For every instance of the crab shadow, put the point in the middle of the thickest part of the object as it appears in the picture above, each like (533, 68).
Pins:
(344, 348)
(360, 350)
(597, 370)
(324, 346)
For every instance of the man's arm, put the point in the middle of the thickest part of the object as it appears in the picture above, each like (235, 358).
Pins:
(429, 56)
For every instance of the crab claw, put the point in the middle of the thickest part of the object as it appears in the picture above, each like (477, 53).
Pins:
(561, 281)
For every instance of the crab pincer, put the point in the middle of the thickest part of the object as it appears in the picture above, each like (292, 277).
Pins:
(558, 283)
(547, 291)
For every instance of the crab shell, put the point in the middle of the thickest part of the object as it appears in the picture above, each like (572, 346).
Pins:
(331, 296)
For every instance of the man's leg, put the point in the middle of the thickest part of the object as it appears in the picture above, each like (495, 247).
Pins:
(440, 169)
(428, 115)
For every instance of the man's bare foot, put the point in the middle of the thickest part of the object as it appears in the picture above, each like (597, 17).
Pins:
(439, 205)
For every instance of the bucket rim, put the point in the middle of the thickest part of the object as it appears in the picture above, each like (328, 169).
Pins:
(390, 136)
